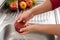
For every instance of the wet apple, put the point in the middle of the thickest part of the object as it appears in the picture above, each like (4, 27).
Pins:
(18, 26)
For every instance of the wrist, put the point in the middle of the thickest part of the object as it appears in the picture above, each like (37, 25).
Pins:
(39, 28)
(31, 13)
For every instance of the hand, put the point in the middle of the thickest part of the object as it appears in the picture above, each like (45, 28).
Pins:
(29, 28)
(25, 16)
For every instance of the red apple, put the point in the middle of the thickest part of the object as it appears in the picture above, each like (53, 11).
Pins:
(29, 3)
(22, 5)
(21, 0)
(13, 6)
(18, 26)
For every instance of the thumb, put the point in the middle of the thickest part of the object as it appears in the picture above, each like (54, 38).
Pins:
(20, 18)
(24, 29)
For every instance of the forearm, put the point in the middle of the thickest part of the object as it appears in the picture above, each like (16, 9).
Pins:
(41, 8)
(49, 29)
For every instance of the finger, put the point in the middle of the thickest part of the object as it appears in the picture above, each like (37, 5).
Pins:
(27, 24)
(23, 29)
(24, 21)
(20, 18)
(26, 32)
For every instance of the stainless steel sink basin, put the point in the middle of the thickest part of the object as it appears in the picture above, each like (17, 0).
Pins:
(9, 33)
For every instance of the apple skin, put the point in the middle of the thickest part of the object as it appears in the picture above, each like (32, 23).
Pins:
(29, 3)
(27, 0)
(18, 26)
(22, 5)
(21, 0)
(34, 1)
(13, 6)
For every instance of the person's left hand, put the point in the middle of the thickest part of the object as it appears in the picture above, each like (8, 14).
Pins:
(29, 28)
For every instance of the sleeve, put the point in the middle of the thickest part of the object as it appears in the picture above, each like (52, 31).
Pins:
(55, 4)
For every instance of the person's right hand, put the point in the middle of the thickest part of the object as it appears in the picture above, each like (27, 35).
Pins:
(22, 20)
(25, 16)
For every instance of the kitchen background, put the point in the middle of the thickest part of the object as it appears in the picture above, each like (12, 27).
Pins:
(52, 17)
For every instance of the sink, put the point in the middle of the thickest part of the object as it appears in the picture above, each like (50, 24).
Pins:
(9, 33)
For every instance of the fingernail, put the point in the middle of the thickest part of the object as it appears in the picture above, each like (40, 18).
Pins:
(20, 30)
(18, 21)
(24, 21)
